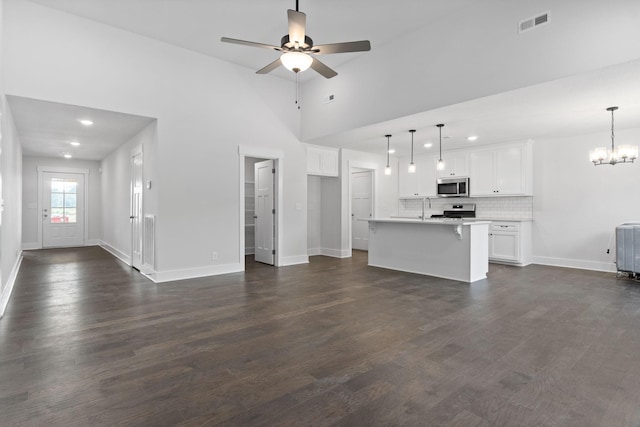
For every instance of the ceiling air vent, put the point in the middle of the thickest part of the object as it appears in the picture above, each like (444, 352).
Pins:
(531, 23)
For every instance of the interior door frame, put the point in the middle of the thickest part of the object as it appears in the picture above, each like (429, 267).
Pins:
(360, 167)
(134, 152)
(353, 171)
(57, 169)
(278, 157)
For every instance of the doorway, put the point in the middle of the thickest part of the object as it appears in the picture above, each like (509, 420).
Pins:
(260, 206)
(361, 208)
(63, 207)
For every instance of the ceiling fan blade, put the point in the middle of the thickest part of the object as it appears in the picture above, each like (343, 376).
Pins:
(323, 69)
(297, 26)
(359, 46)
(269, 68)
(247, 43)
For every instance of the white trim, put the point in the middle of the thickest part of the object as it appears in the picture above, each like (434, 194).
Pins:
(93, 242)
(56, 169)
(8, 289)
(115, 252)
(192, 273)
(336, 253)
(609, 267)
(278, 157)
(30, 246)
(294, 260)
(314, 251)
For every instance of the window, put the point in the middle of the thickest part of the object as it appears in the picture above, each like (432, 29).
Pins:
(64, 196)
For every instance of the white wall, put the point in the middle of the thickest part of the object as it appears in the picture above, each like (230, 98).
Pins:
(205, 108)
(473, 53)
(330, 211)
(11, 195)
(314, 215)
(576, 206)
(116, 190)
(30, 213)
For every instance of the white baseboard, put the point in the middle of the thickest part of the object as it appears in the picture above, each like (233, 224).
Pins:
(115, 252)
(11, 280)
(335, 253)
(93, 242)
(249, 251)
(314, 251)
(575, 263)
(31, 246)
(294, 260)
(192, 273)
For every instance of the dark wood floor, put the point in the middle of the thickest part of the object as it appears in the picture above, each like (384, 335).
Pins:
(87, 341)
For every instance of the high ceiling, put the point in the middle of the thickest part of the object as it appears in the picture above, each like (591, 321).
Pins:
(571, 106)
(198, 25)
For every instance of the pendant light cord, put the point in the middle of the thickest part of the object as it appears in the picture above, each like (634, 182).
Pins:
(612, 134)
(440, 128)
(388, 136)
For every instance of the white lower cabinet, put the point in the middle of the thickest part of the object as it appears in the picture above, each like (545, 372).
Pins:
(510, 242)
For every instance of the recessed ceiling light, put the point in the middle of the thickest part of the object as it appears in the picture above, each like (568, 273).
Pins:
(74, 143)
(428, 145)
(472, 138)
(86, 122)
(391, 151)
(67, 156)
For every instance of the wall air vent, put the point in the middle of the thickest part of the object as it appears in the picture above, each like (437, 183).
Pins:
(534, 22)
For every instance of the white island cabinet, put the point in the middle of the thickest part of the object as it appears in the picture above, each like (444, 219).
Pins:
(451, 249)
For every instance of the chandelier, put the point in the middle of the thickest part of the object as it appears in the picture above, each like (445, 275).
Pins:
(622, 154)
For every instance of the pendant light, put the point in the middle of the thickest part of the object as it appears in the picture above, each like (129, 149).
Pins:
(623, 154)
(387, 169)
(440, 161)
(412, 166)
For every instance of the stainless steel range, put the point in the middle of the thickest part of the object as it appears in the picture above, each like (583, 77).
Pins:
(467, 210)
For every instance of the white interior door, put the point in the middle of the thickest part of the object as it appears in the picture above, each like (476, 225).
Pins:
(361, 208)
(265, 211)
(62, 209)
(136, 211)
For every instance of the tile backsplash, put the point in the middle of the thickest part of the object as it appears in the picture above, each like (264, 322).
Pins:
(486, 207)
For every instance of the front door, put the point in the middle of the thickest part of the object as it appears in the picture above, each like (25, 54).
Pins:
(265, 211)
(136, 211)
(361, 209)
(63, 209)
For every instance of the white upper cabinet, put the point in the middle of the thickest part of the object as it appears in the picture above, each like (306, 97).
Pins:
(322, 161)
(422, 183)
(455, 164)
(501, 171)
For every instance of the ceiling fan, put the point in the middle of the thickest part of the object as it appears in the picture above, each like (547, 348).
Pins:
(298, 51)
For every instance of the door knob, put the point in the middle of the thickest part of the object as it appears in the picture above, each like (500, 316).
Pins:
(255, 216)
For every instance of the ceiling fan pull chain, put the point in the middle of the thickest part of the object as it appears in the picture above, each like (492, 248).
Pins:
(298, 90)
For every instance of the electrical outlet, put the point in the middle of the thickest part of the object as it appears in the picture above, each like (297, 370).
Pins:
(214, 256)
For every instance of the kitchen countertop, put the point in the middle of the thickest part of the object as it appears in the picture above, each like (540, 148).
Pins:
(432, 221)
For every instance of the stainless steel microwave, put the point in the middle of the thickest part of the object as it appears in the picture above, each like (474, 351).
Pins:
(453, 187)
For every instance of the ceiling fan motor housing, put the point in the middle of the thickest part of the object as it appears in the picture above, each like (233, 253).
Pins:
(286, 44)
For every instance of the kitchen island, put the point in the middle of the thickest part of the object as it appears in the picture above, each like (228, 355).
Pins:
(456, 249)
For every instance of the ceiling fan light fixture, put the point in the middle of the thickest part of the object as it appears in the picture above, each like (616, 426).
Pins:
(296, 61)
